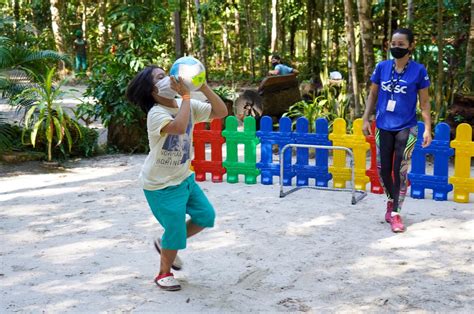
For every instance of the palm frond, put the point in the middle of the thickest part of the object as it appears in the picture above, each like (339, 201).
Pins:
(45, 54)
(6, 134)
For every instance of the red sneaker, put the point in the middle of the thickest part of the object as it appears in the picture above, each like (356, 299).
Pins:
(388, 213)
(397, 224)
(167, 282)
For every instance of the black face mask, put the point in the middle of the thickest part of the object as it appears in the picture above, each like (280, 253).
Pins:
(274, 64)
(398, 52)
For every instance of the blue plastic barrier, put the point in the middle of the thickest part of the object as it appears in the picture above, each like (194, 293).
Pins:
(441, 153)
(268, 138)
(302, 169)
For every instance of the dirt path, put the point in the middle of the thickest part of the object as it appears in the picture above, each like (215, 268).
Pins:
(80, 240)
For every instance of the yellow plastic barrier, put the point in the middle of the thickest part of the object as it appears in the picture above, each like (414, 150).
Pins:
(357, 142)
(462, 183)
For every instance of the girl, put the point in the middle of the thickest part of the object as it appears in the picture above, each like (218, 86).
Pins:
(166, 179)
(396, 86)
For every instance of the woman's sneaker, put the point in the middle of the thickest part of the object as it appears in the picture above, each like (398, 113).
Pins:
(388, 213)
(397, 224)
(167, 282)
(177, 264)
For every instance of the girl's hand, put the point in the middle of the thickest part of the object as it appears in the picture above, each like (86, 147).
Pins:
(179, 86)
(426, 139)
(203, 87)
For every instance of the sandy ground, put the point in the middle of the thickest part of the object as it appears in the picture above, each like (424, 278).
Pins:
(80, 240)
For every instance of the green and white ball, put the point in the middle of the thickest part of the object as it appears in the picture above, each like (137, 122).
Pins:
(191, 70)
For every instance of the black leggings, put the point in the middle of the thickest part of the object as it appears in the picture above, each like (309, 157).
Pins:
(394, 150)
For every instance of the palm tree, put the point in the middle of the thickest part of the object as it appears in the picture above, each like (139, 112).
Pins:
(17, 63)
(46, 115)
(18, 67)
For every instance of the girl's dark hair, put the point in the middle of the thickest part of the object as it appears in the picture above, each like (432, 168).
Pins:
(407, 32)
(140, 88)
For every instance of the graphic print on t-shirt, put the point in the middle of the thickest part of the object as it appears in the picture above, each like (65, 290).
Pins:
(178, 146)
(398, 89)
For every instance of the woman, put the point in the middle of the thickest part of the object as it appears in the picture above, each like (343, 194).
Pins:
(166, 179)
(396, 86)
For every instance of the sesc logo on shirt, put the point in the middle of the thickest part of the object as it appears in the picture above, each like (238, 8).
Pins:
(387, 86)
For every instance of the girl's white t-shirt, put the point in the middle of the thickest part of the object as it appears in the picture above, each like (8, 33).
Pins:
(168, 162)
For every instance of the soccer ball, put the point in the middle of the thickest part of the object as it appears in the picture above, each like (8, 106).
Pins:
(191, 70)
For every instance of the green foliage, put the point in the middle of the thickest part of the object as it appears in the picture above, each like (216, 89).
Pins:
(144, 39)
(6, 135)
(226, 93)
(16, 142)
(20, 65)
(330, 104)
(85, 142)
(142, 32)
(459, 118)
(456, 18)
(145, 35)
(45, 115)
(107, 84)
(309, 110)
(87, 112)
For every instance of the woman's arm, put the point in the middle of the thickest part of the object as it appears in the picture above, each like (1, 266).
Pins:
(219, 109)
(425, 107)
(369, 109)
(180, 123)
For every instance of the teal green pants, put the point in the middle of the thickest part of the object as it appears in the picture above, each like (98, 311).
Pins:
(81, 63)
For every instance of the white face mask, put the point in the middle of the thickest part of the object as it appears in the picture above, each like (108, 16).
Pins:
(164, 88)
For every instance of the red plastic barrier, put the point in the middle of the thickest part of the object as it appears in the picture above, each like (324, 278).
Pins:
(372, 172)
(201, 137)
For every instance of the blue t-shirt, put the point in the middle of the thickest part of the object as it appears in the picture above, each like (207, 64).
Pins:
(405, 94)
(283, 69)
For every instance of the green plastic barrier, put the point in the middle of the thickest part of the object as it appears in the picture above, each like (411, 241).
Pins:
(233, 138)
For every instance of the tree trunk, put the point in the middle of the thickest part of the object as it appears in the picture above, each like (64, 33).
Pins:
(364, 9)
(309, 31)
(102, 28)
(469, 75)
(389, 29)
(409, 14)
(274, 42)
(56, 24)
(336, 51)
(84, 18)
(400, 11)
(56, 13)
(439, 89)
(191, 28)
(266, 18)
(328, 36)
(238, 48)
(225, 40)
(16, 11)
(178, 37)
(318, 40)
(202, 42)
(349, 25)
(250, 38)
(50, 155)
(281, 30)
(293, 29)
